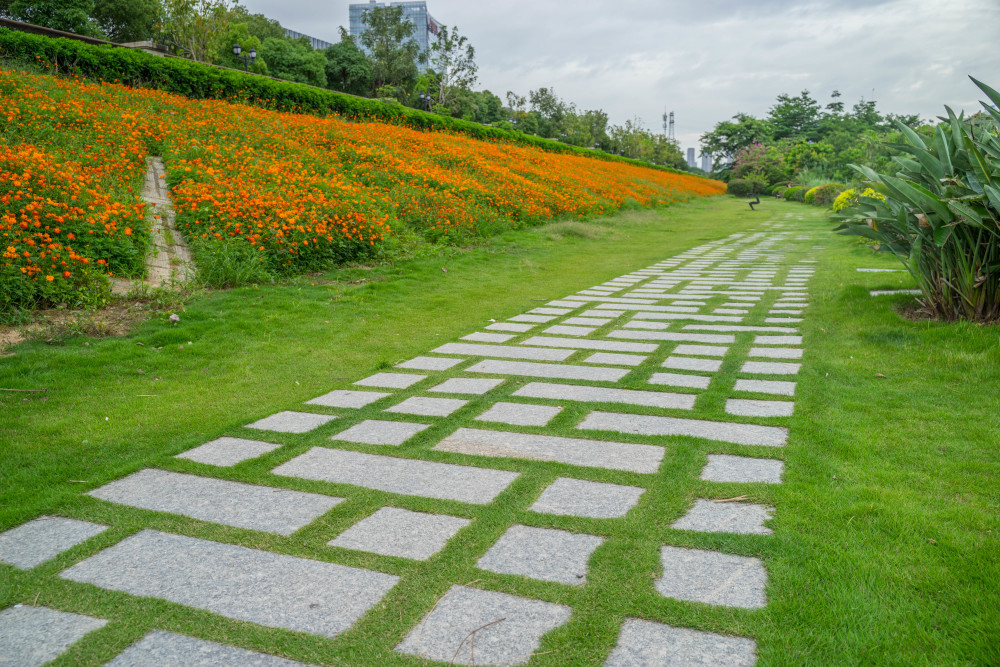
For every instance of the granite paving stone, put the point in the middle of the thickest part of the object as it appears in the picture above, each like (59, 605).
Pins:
(561, 371)
(504, 352)
(578, 344)
(560, 330)
(776, 352)
(510, 326)
(542, 553)
(482, 337)
(777, 340)
(702, 350)
(740, 434)
(779, 387)
(392, 531)
(466, 386)
(379, 432)
(595, 500)
(615, 359)
(520, 414)
(587, 321)
(226, 451)
(648, 644)
(347, 398)
(537, 319)
(407, 477)
(550, 311)
(264, 508)
(584, 393)
(430, 363)
(746, 407)
(893, 292)
(726, 468)
(680, 380)
(390, 380)
(712, 577)
(692, 364)
(469, 626)
(290, 421)
(429, 407)
(770, 367)
(735, 327)
(273, 590)
(42, 539)
(672, 336)
(782, 320)
(159, 648)
(575, 451)
(602, 313)
(707, 516)
(34, 636)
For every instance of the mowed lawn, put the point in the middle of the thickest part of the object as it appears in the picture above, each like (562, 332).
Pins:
(887, 526)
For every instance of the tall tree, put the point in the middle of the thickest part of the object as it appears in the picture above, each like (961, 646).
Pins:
(729, 136)
(127, 20)
(196, 29)
(67, 15)
(795, 117)
(454, 60)
(348, 69)
(295, 60)
(388, 39)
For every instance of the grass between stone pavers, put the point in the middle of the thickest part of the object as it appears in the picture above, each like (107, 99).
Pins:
(852, 575)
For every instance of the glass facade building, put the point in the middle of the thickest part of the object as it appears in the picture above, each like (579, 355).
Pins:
(415, 12)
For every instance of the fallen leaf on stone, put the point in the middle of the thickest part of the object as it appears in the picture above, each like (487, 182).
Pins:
(879, 375)
(730, 500)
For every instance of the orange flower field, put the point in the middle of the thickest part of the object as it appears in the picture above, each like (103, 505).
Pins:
(292, 192)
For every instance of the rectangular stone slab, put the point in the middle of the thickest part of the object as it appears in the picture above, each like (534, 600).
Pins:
(166, 648)
(42, 539)
(561, 371)
(33, 636)
(669, 335)
(648, 643)
(261, 587)
(578, 344)
(503, 352)
(740, 434)
(680, 380)
(407, 477)
(236, 504)
(780, 387)
(615, 359)
(573, 392)
(575, 451)
(226, 451)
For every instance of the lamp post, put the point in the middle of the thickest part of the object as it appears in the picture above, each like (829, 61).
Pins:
(237, 49)
(425, 101)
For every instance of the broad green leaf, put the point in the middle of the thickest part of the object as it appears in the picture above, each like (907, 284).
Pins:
(910, 135)
(944, 149)
(920, 197)
(994, 196)
(991, 93)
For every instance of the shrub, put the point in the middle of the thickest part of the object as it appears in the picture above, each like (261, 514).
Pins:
(777, 190)
(794, 193)
(810, 193)
(824, 195)
(850, 197)
(740, 187)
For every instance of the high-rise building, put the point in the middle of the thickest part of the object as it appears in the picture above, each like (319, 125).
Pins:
(415, 12)
(318, 44)
(706, 162)
(691, 160)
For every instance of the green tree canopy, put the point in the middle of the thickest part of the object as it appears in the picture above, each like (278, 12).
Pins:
(388, 39)
(295, 60)
(348, 69)
(67, 15)
(454, 60)
(127, 20)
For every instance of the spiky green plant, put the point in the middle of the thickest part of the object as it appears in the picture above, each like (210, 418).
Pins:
(941, 214)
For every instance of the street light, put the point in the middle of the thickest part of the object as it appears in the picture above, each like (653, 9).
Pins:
(237, 49)
(425, 101)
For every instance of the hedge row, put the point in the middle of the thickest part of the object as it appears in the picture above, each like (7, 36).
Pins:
(136, 68)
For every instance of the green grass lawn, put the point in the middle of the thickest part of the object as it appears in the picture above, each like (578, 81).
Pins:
(886, 528)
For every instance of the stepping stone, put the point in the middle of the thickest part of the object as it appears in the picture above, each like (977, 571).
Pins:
(879, 270)
(574, 392)
(595, 500)
(689, 316)
(602, 313)
(780, 387)
(504, 352)
(726, 468)
(668, 335)
(707, 516)
(647, 643)
(264, 508)
(551, 311)
(42, 539)
(892, 292)
(290, 421)
(520, 414)
(745, 407)
(770, 368)
(407, 477)
(430, 363)
(740, 434)
(692, 364)
(733, 327)
(680, 380)
(34, 636)
(166, 648)
(261, 587)
(782, 320)
(430, 407)
(575, 451)
(785, 311)
(481, 337)
(729, 311)
(777, 340)
(542, 553)
(537, 319)
(776, 352)
(376, 432)
(561, 371)
(712, 577)
(346, 398)
(603, 345)
(397, 532)
(469, 626)
(560, 330)
(227, 451)
(702, 350)
(610, 301)
(510, 326)
(586, 321)
(571, 305)
(477, 386)
(390, 380)
(615, 359)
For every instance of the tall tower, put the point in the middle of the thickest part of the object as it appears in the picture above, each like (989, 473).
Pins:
(691, 161)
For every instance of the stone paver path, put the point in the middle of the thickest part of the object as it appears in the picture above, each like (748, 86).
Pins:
(702, 349)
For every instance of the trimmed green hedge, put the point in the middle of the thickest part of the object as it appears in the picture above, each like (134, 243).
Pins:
(197, 80)
(794, 193)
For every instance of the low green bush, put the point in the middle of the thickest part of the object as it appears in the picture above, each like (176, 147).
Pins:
(824, 195)
(777, 190)
(739, 187)
(794, 193)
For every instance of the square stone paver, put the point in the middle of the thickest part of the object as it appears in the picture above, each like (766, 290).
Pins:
(42, 539)
(227, 451)
(429, 407)
(482, 337)
(159, 648)
(707, 516)
(615, 359)
(726, 468)
(33, 636)
(712, 577)
(643, 643)
(274, 590)
(542, 553)
(477, 386)
(447, 632)
(390, 380)
(680, 380)
(430, 363)
(595, 500)
(520, 414)
(377, 432)
(397, 532)
(348, 398)
(265, 508)
(290, 421)
(770, 367)
(746, 407)
(692, 364)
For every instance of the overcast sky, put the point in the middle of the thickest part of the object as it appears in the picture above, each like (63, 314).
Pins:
(706, 60)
